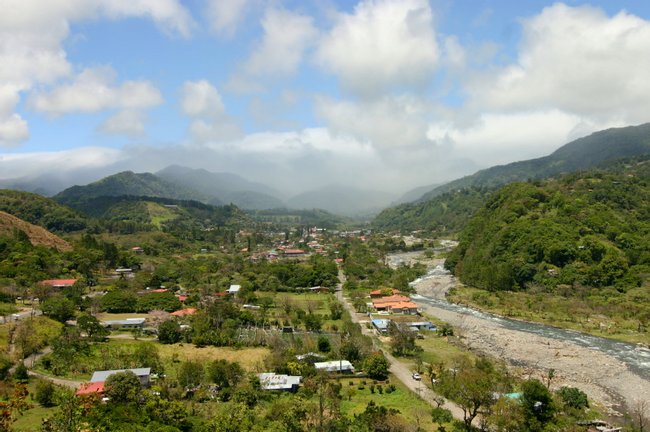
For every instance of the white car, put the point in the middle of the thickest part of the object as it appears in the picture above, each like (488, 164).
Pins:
(416, 376)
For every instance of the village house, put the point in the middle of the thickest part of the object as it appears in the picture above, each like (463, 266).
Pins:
(126, 324)
(340, 366)
(59, 283)
(97, 381)
(273, 381)
(234, 289)
(381, 325)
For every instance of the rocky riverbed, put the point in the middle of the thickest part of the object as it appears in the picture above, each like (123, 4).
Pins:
(606, 380)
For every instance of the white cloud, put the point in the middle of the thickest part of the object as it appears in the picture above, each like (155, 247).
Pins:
(13, 130)
(286, 36)
(498, 138)
(32, 33)
(384, 44)
(19, 165)
(170, 15)
(201, 101)
(130, 123)
(578, 60)
(225, 16)
(92, 91)
(390, 123)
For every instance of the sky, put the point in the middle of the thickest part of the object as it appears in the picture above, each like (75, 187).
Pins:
(380, 94)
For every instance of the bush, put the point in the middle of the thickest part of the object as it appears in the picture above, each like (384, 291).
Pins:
(44, 393)
(573, 397)
(20, 373)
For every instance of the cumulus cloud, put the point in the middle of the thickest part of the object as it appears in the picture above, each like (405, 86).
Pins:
(384, 44)
(286, 36)
(225, 16)
(170, 15)
(390, 123)
(129, 123)
(32, 33)
(92, 91)
(279, 53)
(579, 60)
(201, 101)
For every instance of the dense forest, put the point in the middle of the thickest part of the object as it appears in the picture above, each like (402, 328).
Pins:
(584, 229)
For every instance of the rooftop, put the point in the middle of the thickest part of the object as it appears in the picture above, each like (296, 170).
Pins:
(101, 376)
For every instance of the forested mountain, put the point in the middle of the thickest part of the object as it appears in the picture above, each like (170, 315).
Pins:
(129, 214)
(313, 217)
(223, 187)
(127, 183)
(342, 200)
(583, 229)
(447, 207)
(41, 211)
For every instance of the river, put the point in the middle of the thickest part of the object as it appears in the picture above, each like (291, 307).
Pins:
(611, 372)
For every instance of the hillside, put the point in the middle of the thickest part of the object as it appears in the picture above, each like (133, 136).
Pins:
(127, 183)
(223, 187)
(447, 208)
(41, 211)
(586, 229)
(37, 235)
(342, 200)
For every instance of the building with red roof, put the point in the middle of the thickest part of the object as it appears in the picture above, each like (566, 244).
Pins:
(90, 388)
(59, 283)
(184, 312)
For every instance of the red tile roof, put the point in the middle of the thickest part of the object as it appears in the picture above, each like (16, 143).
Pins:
(158, 290)
(59, 282)
(391, 299)
(88, 388)
(184, 312)
(294, 251)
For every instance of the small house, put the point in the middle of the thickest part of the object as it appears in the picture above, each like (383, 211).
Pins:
(381, 325)
(129, 323)
(59, 283)
(339, 366)
(294, 253)
(143, 374)
(234, 289)
(272, 381)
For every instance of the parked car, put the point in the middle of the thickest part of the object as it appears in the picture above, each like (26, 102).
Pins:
(416, 376)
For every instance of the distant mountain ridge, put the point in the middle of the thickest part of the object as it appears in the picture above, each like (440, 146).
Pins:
(447, 208)
(223, 188)
(583, 153)
(342, 200)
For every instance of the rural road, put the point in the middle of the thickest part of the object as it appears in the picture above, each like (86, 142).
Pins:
(397, 368)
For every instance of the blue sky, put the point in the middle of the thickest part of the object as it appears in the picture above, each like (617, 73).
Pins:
(385, 94)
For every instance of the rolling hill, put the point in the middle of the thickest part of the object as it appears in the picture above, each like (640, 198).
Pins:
(41, 211)
(38, 236)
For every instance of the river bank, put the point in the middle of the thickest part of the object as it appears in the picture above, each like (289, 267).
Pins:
(606, 379)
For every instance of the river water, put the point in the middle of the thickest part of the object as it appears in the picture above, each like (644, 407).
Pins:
(636, 357)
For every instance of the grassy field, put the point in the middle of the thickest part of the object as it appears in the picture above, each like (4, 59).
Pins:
(589, 315)
(317, 303)
(402, 399)
(248, 358)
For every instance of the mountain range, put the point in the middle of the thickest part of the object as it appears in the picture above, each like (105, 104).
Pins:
(447, 208)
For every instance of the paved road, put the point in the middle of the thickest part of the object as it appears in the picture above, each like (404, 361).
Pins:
(397, 368)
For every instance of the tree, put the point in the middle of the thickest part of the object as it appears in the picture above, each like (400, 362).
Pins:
(225, 374)
(313, 322)
(122, 387)
(119, 301)
(92, 327)
(537, 403)
(376, 366)
(506, 416)
(169, 332)
(336, 310)
(59, 308)
(403, 339)
(324, 344)
(573, 397)
(190, 374)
